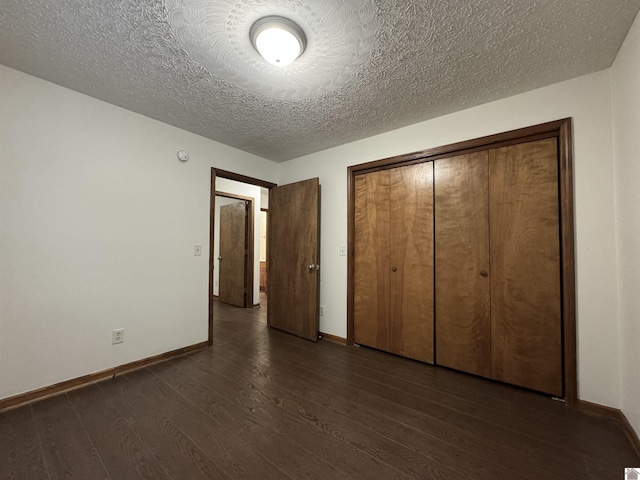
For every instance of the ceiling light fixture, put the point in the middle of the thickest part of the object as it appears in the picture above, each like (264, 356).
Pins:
(279, 40)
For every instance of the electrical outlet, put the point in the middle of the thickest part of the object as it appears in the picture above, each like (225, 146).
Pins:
(197, 250)
(117, 336)
(322, 310)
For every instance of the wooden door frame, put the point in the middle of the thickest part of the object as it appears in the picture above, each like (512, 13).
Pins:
(217, 172)
(560, 129)
(266, 211)
(250, 256)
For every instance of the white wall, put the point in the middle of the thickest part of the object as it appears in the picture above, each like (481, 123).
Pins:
(98, 220)
(587, 100)
(625, 76)
(263, 236)
(246, 190)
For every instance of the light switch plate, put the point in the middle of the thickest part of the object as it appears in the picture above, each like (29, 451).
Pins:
(197, 250)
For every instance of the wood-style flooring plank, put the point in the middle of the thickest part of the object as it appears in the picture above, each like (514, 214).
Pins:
(21, 456)
(291, 457)
(123, 453)
(236, 457)
(514, 414)
(377, 434)
(458, 427)
(358, 452)
(358, 416)
(67, 448)
(261, 404)
(352, 401)
(545, 429)
(178, 454)
(529, 449)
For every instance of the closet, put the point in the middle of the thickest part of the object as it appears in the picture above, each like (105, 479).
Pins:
(394, 261)
(458, 260)
(498, 265)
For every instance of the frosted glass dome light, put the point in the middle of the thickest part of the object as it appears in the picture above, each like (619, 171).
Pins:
(279, 40)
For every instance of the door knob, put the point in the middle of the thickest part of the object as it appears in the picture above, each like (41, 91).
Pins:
(394, 269)
(313, 267)
(219, 258)
(484, 274)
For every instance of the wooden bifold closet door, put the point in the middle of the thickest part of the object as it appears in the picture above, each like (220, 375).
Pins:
(463, 257)
(526, 347)
(463, 326)
(393, 261)
(498, 305)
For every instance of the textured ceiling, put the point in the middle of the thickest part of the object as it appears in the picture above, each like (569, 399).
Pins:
(370, 65)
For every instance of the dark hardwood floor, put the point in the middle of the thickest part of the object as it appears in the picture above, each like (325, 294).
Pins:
(266, 405)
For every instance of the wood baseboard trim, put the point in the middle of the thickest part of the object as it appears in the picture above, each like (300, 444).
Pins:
(632, 435)
(615, 414)
(333, 338)
(74, 383)
(256, 305)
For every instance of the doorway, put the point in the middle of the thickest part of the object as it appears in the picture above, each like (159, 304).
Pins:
(292, 251)
(229, 189)
(233, 249)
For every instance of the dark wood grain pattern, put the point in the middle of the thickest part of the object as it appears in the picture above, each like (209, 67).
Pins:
(65, 443)
(294, 246)
(21, 455)
(124, 454)
(174, 450)
(463, 315)
(393, 261)
(262, 404)
(525, 266)
(371, 260)
(233, 254)
(411, 260)
(569, 341)
(560, 130)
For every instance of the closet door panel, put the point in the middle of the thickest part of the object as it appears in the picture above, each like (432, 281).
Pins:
(525, 266)
(463, 316)
(371, 260)
(411, 261)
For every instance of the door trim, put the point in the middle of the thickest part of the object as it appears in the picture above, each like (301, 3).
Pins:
(562, 130)
(217, 172)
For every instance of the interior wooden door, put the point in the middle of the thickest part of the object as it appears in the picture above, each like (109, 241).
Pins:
(462, 285)
(294, 258)
(525, 266)
(371, 260)
(233, 254)
(410, 268)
